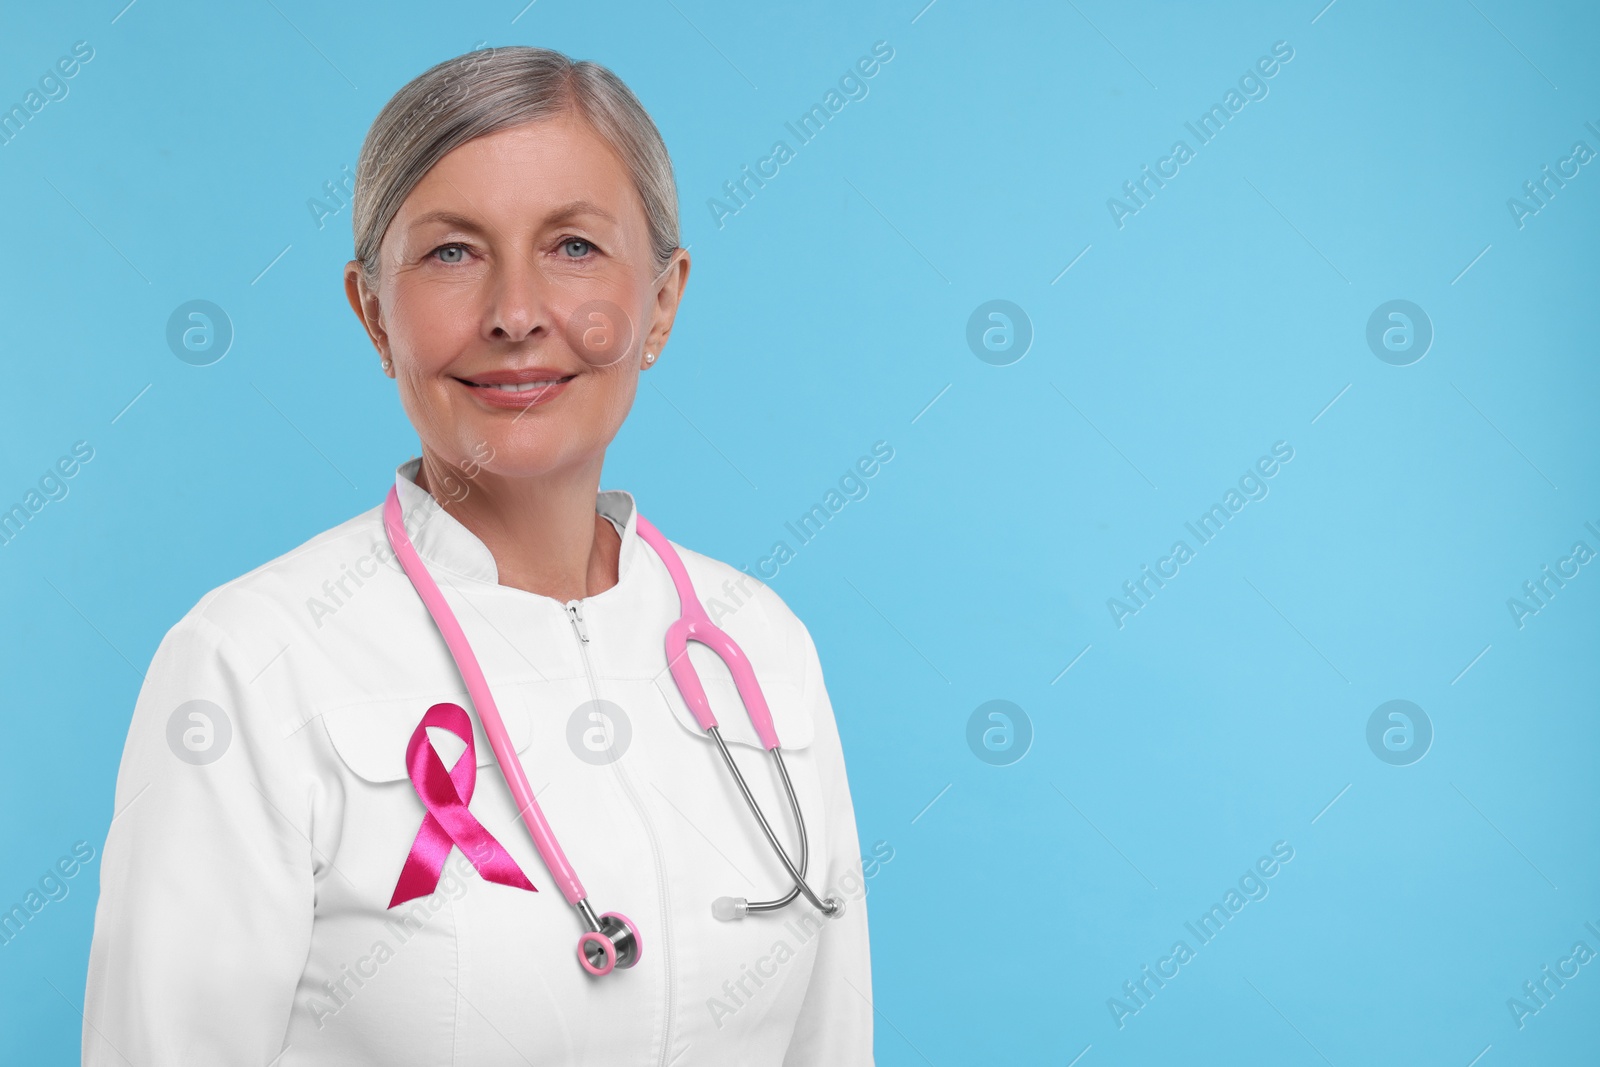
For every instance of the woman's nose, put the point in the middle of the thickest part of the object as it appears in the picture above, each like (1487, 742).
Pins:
(517, 299)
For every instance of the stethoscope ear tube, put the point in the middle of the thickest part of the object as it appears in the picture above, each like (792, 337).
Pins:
(693, 624)
(739, 908)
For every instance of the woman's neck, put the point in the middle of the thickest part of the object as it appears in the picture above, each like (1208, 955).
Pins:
(544, 533)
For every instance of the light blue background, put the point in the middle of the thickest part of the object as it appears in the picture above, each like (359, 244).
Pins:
(826, 315)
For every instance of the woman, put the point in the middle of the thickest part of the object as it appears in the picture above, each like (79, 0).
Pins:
(516, 267)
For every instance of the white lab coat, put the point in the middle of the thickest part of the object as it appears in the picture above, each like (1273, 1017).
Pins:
(257, 838)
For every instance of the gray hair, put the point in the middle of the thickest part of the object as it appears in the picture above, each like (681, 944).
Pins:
(492, 89)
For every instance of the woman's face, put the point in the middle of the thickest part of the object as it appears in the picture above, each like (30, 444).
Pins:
(521, 259)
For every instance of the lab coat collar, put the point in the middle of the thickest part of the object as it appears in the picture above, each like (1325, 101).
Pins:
(443, 541)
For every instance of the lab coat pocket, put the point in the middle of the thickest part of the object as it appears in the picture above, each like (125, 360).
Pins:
(790, 717)
(371, 737)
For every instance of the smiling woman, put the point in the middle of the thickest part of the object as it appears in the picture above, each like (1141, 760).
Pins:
(503, 259)
(516, 268)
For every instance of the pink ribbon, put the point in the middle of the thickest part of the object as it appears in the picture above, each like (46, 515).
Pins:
(448, 822)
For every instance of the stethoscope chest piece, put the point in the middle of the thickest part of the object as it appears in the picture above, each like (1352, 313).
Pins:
(617, 943)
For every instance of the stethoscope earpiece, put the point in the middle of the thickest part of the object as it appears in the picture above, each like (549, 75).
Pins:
(727, 909)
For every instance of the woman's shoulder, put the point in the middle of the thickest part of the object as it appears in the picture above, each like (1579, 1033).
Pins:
(239, 646)
(266, 602)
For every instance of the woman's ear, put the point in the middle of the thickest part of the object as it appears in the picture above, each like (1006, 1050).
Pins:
(664, 304)
(364, 302)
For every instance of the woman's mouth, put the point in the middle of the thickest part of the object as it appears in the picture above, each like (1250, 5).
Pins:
(496, 392)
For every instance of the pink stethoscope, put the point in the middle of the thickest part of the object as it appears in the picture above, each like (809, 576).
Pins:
(609, 940)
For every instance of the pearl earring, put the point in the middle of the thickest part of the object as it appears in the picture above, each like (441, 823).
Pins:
(649, 358)
(386, 365)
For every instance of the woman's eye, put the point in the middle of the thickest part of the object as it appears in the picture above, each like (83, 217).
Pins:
(450, 253)
(584, 247)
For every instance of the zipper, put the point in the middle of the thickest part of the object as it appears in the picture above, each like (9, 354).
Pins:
(574, 610)
(575, 613)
